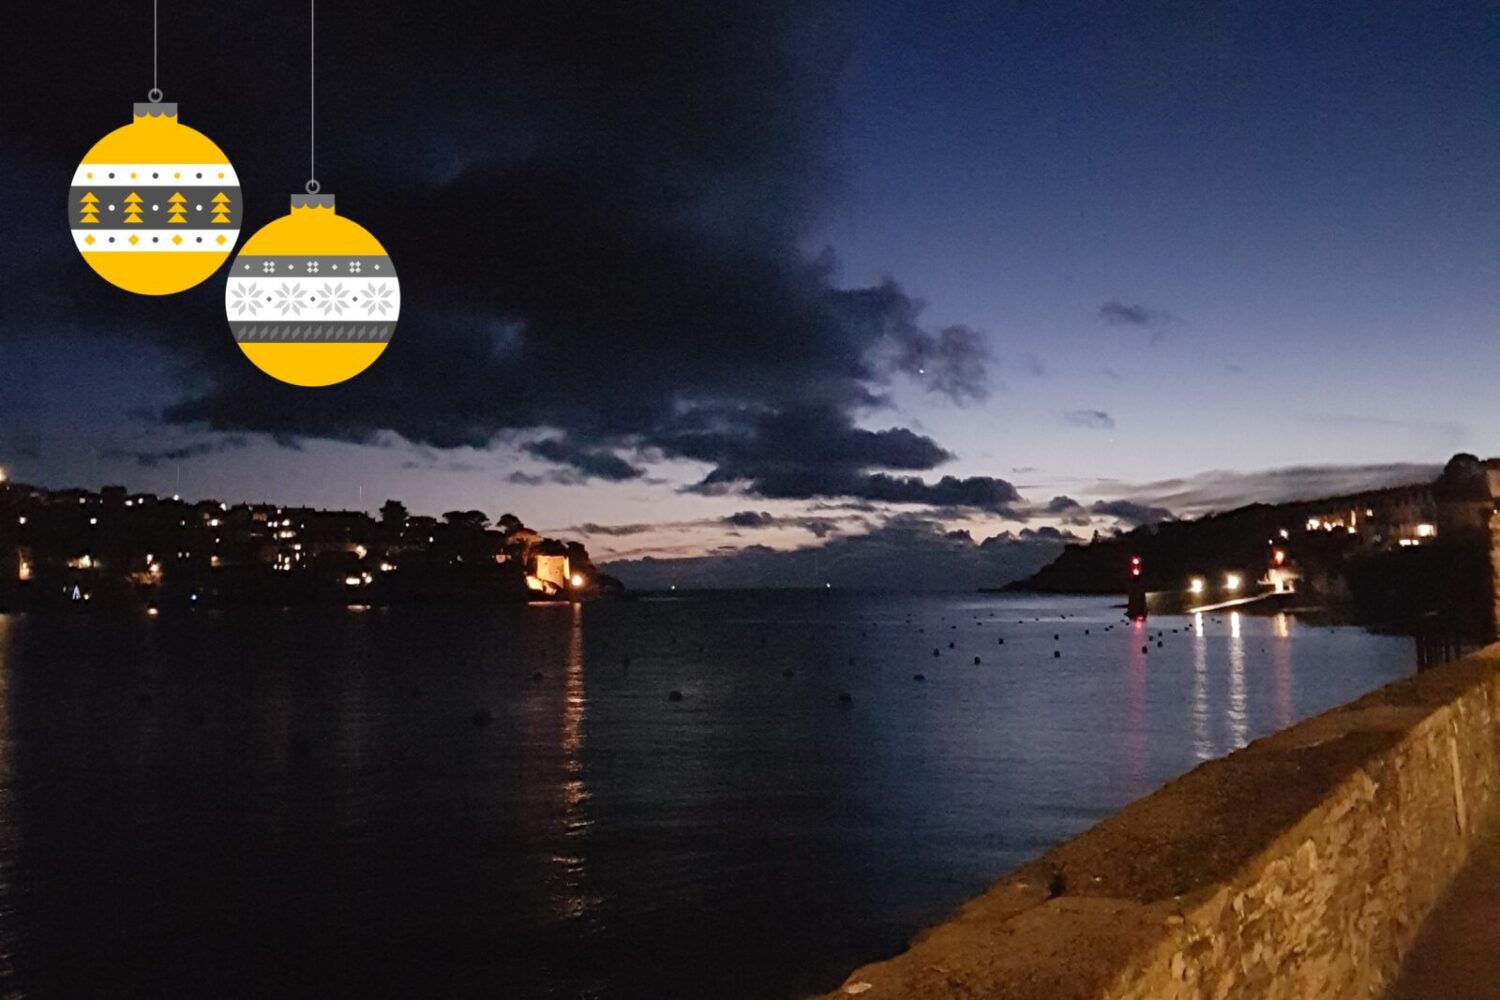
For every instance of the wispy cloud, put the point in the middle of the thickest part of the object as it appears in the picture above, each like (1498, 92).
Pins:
(1141, 317)
(150, 459)
(1092, 419)
(1117, 313)
(1223, 490)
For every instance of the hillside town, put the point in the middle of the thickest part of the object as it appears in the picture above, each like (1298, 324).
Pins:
(74, 547)
(1388, 557)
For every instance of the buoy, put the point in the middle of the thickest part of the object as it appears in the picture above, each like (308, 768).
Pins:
(786, 673)
(976, 661)
(1057, 654)
(919, 677)
(481, 718)
(675, 696)
(846, 697)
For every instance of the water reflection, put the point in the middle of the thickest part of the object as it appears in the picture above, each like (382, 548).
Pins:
(1203, 742)
(1136, 736)
(473, 803)
(9, 931)
(575, 902)
(1237, 712)
(1281, 669)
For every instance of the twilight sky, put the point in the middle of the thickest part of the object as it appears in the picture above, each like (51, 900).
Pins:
(690, 278)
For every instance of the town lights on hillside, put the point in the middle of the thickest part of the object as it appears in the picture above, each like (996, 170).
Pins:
(1232, 581)
(1196, 585)
(3, 474)
(577, 580)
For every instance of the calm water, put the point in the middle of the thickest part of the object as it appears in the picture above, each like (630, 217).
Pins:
(301, 803)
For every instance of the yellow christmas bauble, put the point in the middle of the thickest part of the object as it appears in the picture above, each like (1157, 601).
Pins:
(155, 204)
(313, 297)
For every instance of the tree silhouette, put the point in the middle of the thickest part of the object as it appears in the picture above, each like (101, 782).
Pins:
(393, 514)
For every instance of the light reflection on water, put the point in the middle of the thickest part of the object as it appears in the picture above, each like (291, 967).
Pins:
(482, 802)
(1238, 714)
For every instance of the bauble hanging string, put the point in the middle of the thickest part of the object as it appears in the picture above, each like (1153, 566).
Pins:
(155, 205)
(312, 298)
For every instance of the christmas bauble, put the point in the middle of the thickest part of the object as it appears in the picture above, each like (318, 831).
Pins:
(155, 204)
(312, 297)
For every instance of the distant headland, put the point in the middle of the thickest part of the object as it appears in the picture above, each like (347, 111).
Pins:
(1390, 557)
(78, 548)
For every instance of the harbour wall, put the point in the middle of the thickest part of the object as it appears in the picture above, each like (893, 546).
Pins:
(1300, 866)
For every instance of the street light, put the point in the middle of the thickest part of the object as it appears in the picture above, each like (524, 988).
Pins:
(1232, 581)
(1196, 586)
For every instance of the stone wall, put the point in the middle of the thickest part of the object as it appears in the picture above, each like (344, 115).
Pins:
(1300, 866)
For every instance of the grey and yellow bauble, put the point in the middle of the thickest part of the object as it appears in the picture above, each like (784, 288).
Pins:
(313, 297)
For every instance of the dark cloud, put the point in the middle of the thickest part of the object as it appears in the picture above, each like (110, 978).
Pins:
(953, 362)
(597, 463)
(149, 459)
(1130, 512)
(602, 242)
(1117, 313)
(1093, 419)
(906, 553)
(1067, 510)
(613, 530)
(750, 519)
(1049, 533)
(975, 492)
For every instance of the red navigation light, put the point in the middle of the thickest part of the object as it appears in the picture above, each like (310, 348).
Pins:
(1135, 565)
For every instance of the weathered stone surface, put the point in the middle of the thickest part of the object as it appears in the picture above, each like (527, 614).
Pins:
(1301, 866)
